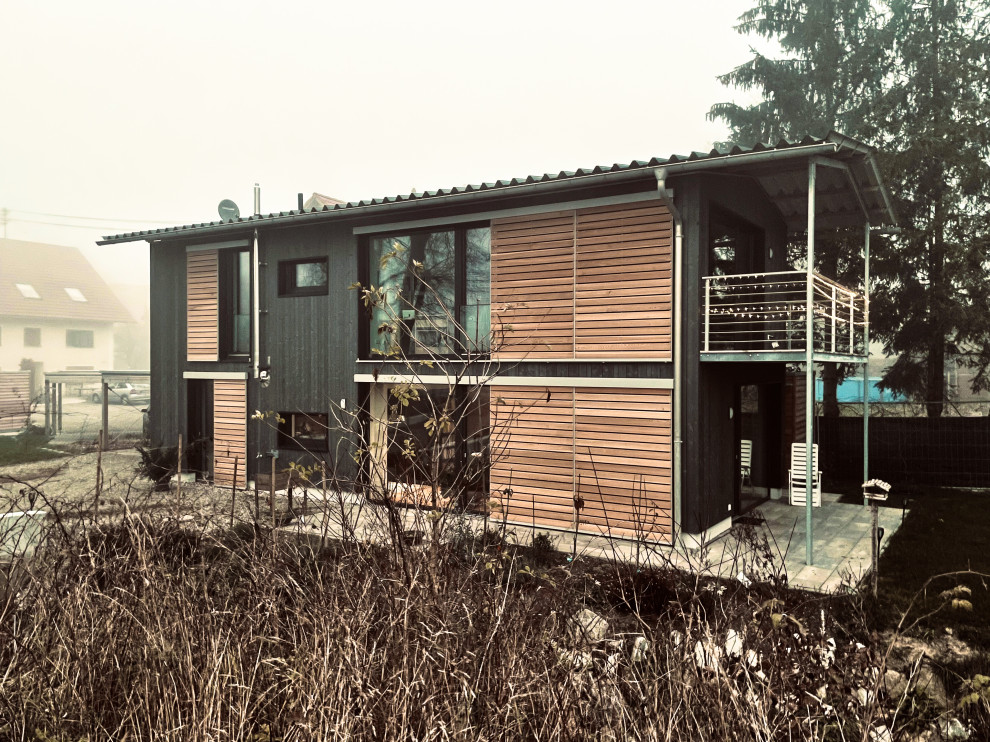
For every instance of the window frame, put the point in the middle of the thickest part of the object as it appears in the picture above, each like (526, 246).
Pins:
(287, 439)
(460, 280)
(228, 273)
(32, 344)
(287, 277)
(80, 333)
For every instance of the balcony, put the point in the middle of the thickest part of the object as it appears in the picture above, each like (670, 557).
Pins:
(762, 317)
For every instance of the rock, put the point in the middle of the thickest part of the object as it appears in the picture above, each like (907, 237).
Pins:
(881, 734)
(952, 729)
(862, 696)
(588, 626)
(640, 648)
(707, 654)
(895, 684)
(733, 644)
(928, 683)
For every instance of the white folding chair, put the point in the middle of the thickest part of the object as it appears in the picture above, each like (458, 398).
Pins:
(797, 476)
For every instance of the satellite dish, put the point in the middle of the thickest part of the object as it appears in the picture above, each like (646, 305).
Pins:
(228, 210)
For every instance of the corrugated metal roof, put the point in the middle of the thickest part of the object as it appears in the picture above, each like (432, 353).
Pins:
(681, 161)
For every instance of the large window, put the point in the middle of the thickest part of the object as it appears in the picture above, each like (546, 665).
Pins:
(735, 246)
(235, 302)
(78, 338)
(435, 289)
(438, 443)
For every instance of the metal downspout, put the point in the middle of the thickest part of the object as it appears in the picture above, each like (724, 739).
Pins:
(809, 373)
(255, 324)
(667, 196)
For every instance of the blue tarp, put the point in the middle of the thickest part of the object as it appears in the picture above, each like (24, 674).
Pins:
(851, 390)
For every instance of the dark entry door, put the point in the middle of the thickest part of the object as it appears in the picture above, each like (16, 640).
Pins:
(199, 428)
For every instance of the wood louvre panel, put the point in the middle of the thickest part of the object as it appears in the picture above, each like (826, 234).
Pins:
(623, 460)
(611, 447)
(533, 284)
(229, 431)
(591, 283)
(15, 400)
(533, 453)
(624, 282)
(202, 306)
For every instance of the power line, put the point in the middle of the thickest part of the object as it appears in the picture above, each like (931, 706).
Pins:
(90, 218)
(98, 228)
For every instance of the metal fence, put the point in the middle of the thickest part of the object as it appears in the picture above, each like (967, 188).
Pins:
(95, 406)
(908, 447)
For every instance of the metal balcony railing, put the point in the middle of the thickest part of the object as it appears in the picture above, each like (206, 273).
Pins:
(765, 313)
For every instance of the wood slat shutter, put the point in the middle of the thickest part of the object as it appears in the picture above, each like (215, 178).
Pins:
(590, 283)
(612, 447)
(533, 284)
(623, 286)
(202, 306)
(229, 431)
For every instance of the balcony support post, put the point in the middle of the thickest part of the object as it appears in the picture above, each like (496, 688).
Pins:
(809, 373)
(866, 352)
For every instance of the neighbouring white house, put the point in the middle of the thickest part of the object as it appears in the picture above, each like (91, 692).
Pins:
(55, 309)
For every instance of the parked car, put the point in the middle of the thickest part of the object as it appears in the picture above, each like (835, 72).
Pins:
(124, 392)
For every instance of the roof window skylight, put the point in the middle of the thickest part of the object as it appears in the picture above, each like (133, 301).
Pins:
(75, 294)
(27, 291)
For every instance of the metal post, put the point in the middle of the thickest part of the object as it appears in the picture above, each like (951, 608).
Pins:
(61, 398)
(48, 414)
(866, 352)
(835, 319)
(809, 373)
(105, 431)
(708, 302)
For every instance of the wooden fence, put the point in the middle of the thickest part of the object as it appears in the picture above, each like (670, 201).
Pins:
(15, 400)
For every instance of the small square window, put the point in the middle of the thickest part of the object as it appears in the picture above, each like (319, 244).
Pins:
(304, 430)
(78, 338)
(75, 294)
(27, 291)
(306, 277)
(32, 337)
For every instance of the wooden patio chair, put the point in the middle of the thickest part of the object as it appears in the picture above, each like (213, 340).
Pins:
(745, 462)
(796, 488)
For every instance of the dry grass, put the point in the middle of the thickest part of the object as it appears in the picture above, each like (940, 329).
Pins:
(144, 629)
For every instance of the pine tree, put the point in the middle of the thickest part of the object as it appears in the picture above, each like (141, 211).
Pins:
(910, 78)
(933, 124)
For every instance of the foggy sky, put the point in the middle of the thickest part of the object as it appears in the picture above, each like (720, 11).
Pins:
(156, 112)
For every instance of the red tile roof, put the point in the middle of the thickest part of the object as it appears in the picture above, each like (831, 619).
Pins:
(50, 270)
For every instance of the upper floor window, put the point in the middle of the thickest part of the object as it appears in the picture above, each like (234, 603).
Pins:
(78, 338)
(75, 294)
(305, 277)
(735, 245)
(234, 287)
(434, 292)
(32, 337)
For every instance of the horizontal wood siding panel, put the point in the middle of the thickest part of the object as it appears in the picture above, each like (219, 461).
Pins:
(624, 281)
(623, 458)
(229, 431)
(202, 310)
(610, 446)
(15, 400)
(533, 442)
(533, 284)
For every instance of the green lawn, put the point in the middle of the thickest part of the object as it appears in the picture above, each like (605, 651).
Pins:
(24, 449)
(945, 531)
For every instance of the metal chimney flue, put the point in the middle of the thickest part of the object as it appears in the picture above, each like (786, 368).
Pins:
(300, 198)
(257, 200)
